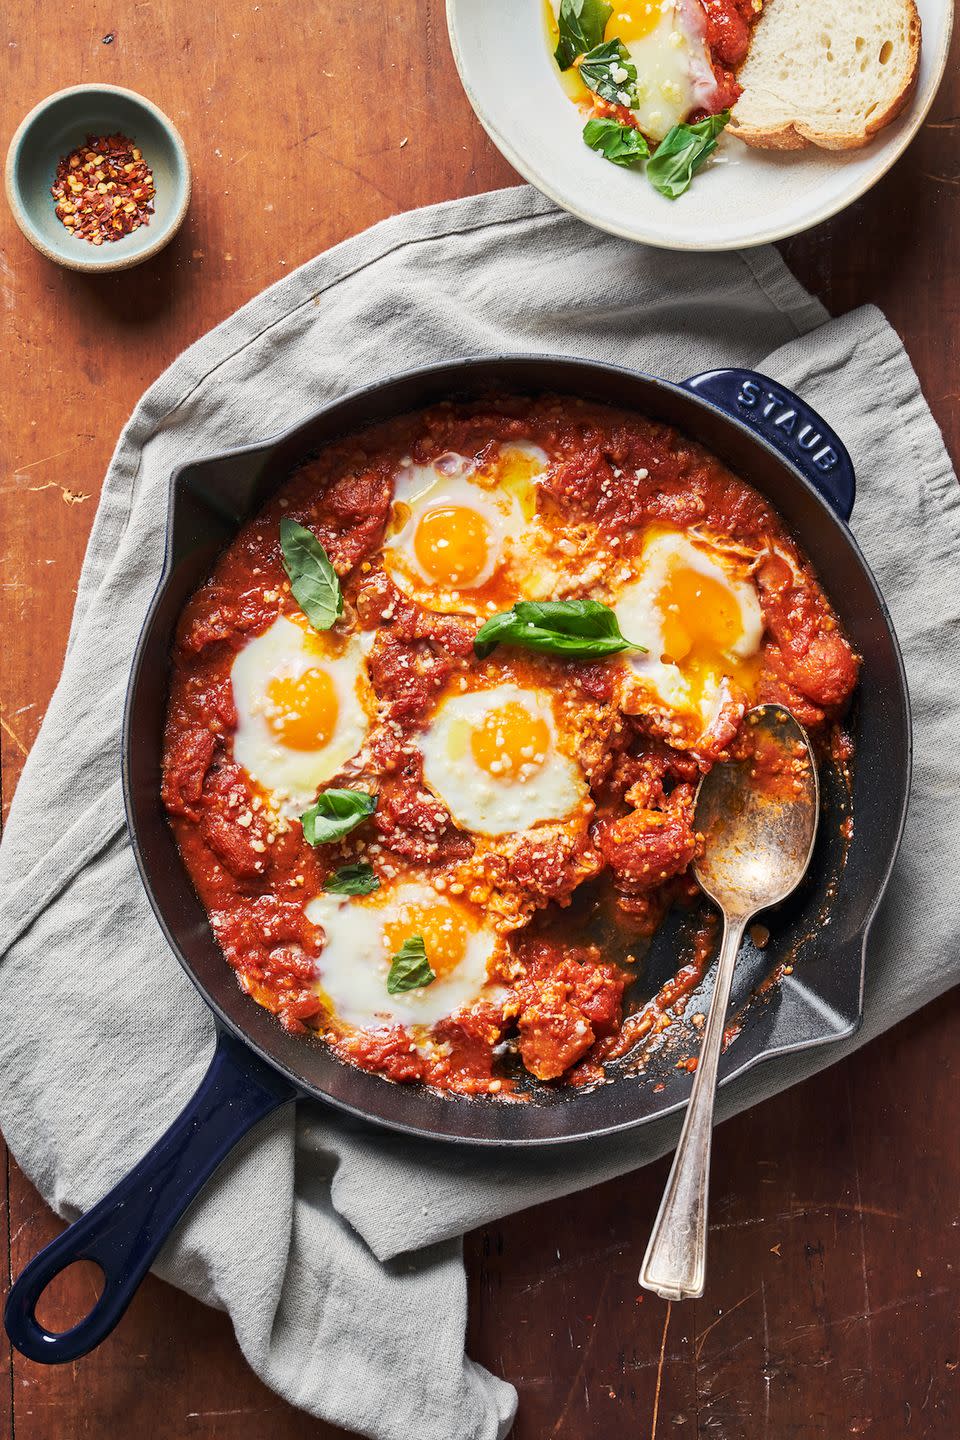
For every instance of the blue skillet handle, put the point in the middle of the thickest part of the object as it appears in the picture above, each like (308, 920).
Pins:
(787, 423)
(124, 1231)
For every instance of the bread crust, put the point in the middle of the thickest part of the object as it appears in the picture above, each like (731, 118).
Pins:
(798, 136)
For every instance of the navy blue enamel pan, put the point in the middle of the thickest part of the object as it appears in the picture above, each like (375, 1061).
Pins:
(770, 438)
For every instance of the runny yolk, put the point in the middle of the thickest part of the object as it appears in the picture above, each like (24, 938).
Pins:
(444, 930)
(509, 740)
(700, 616)
(301, 711)
(634, 20)
(451, 543)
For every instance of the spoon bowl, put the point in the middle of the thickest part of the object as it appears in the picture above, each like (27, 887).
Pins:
(757, 814)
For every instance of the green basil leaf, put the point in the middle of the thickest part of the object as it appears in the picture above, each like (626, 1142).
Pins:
(357, 879)
(598, 68)
(410, 968)
(681, 152)
(499, 627)
(334, 814)
(620, 144)
(581, 24)
(313, 579)
(572, 629)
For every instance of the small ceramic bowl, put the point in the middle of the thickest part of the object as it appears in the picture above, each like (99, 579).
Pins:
(58, 125)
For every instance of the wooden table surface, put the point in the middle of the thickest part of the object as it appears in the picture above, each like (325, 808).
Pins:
(834, 1294)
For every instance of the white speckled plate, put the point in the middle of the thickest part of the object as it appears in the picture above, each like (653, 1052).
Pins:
(741, 197)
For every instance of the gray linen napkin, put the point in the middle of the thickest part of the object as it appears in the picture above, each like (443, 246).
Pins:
(328, 1244)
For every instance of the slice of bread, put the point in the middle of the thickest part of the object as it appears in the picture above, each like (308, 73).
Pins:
(826, 72)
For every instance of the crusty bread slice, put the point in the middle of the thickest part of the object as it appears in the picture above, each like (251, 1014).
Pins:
(826, 72)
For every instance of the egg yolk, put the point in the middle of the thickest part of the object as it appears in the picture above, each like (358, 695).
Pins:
(634, 21)
(699, 615)
(444, 932)
(451, 544)
(510, 739)
(517, 474)
(301, 711)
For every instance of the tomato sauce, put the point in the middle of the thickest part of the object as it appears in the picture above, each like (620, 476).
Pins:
(729, 23)
(554, 1009)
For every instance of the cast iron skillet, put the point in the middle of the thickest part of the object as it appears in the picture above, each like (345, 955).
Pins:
(777, 443)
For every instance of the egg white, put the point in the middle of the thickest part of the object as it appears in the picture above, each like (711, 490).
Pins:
(674, 73)
(291, 777)
(638, 608)
(413, 483)
(496, 804)
(354, 963)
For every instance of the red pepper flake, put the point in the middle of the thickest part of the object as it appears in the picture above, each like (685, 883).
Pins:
(103, 189)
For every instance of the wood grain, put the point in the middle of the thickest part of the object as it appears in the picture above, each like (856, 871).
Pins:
(833, 1300)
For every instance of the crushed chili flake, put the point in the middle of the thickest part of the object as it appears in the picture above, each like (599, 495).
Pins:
(104, 189)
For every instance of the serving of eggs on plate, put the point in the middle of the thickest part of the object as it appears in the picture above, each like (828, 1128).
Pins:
(499, 746)
(665, 41)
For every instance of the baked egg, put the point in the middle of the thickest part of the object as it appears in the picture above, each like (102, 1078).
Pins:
(303, 704)
(458, 527)
(666, 41)
(695, 608)
(496, 760)
(363, 934)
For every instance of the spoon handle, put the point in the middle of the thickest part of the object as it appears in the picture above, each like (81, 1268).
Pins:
(675, 1263)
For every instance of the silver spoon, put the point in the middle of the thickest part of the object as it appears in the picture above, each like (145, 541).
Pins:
(758, 817)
